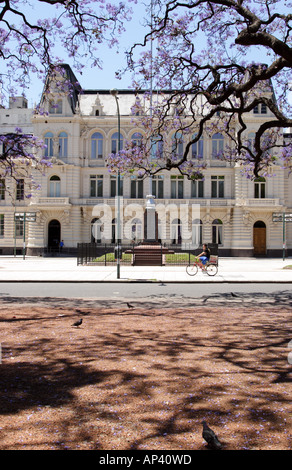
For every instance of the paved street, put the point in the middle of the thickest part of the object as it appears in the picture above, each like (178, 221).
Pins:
(142, 291)
(237, 280)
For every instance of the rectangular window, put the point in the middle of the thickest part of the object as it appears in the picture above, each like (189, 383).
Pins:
(2, 189)
(198, 149)
(197, 188)
(114, 186)
(96, 185)
(56, 107)
(157, 186)
(260, 188)
(217, 186)
(19, 228)
(177, 187)
(20, 190)
(1, 225)
(136, 187)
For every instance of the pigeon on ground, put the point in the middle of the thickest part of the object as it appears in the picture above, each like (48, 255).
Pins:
(78, 322)
(129, 305)
(210, 437)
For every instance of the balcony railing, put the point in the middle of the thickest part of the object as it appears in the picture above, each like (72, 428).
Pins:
(203, 202)
(262, 202)
(51, 201)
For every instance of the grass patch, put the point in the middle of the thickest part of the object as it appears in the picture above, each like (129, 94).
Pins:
(110, 257)
(289, 266)
(182, 257)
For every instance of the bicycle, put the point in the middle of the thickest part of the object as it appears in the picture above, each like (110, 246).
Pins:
(211, 267)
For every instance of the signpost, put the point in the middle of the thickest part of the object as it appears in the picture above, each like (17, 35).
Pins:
(283, 217)
(24, 217)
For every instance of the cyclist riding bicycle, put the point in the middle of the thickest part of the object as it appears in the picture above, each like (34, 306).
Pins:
(205, 255)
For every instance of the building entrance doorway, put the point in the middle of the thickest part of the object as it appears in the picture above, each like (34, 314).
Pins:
(259, 238)
(54, 235)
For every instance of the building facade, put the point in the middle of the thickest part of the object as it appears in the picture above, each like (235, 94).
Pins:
(77, 200)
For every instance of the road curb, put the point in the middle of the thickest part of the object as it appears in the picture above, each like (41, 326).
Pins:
(142, 281)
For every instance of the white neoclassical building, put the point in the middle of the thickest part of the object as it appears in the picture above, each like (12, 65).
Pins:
(77, 199)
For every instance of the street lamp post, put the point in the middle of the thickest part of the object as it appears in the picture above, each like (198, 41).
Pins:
(114, 93)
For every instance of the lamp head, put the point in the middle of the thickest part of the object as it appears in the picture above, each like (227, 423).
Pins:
(114, 92)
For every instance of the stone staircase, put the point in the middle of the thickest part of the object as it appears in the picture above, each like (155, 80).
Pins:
(149, 255)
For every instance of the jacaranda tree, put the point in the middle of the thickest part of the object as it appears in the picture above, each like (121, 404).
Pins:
(28, 37)
(200, 51)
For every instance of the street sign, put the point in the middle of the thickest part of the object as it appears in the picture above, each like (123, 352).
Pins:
(282, 217)
(24, 217)
(28, 216)
(278, 216)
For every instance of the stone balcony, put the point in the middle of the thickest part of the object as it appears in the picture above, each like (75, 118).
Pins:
(142, 202)
(61, 202)
(260, 203)
(51, 202)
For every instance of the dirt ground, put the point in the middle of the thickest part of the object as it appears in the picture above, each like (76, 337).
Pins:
(144, 378)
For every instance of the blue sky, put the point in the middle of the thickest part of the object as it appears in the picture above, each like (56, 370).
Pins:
(113, 60)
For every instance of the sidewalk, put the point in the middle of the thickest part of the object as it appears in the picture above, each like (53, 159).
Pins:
(34, 269)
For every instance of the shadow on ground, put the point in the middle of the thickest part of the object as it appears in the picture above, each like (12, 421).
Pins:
(144, 378)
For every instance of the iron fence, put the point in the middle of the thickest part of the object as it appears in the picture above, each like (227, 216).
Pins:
(167, 254)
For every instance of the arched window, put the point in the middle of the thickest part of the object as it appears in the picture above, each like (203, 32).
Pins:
(157, 147)
(217, 145)
(176, 231)
(63, 145)
(217, 231)
(49, 143)
(115, 142)
(96, 230)
(177, 145)
(197, 232)
(96, 145)
(250, 141)
(137, 139)
(55, 186)
(198, 147)
(136, 229)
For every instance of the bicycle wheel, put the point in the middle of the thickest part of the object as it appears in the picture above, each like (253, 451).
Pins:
(211, 269)
(192, 269)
